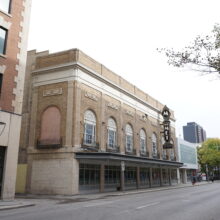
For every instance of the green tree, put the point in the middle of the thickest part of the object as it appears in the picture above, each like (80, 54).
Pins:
(209, 156)
(202, 55)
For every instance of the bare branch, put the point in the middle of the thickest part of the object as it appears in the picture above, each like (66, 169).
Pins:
(204, 52)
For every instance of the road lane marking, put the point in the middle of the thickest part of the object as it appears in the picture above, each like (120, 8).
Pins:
(98, 204)
(150, 204)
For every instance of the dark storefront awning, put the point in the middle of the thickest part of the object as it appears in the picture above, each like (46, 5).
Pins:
(128, 158)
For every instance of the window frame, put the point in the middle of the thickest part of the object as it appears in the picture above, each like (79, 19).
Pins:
(129, 142)
(9, 7)
(92, 123)
(5, 40)
(143, 145)
(112, 127)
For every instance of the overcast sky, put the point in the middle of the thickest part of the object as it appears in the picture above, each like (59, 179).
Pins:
(123, 35)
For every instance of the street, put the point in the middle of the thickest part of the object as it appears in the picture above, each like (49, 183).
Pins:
(194, 203)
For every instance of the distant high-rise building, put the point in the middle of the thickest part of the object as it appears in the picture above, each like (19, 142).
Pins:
(194, 133)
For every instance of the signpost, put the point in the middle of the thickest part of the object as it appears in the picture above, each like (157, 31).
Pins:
(166, 127)
(122, 166)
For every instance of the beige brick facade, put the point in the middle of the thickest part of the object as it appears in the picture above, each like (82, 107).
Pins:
(75, 83)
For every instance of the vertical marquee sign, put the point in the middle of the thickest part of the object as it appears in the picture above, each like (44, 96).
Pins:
(166, 127)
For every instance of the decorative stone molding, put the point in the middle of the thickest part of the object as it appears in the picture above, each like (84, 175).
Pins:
(2, 69)
(4, 23)
(154, 124)
(113, 106)
(143, 118)
(91, 96)
(51, 92)
(129, 113)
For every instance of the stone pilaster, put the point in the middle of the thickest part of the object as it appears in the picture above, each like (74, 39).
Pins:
(103, 125)
(102, 178)
(121, 140)
(170, 180)
(33, 119)
(138, 177)
(151, 179)
(76, 115)
(69, 115)
(161, 177)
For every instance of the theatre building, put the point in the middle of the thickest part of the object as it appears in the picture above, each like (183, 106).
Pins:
(86, 129)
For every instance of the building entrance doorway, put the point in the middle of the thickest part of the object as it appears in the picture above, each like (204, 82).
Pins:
(2, 162)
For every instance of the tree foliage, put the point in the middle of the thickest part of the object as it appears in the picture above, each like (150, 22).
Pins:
(203, 54)
(209, 154)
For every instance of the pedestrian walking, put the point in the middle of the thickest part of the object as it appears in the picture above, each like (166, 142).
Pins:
(193, 179)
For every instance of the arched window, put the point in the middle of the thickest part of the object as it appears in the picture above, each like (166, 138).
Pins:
(143, 148)
(112, 133)
(89, 128)
(129, 138)
(50, 126)
(154, 145)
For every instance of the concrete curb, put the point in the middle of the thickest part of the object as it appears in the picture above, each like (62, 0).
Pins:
(20, 204)
(87, 197)
(15, 206)
(157, 189)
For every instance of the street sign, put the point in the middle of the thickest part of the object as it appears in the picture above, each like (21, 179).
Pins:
(166, 113)
(166, 127)
(167, 145)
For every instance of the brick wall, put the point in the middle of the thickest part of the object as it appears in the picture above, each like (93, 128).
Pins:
(11, 59)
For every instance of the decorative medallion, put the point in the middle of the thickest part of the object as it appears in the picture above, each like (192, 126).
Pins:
(91, 96)
(129, 113)
(50, 92)
(113, 106)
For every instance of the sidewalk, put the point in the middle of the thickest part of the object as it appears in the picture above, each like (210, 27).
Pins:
(27, 200)
(14, 204)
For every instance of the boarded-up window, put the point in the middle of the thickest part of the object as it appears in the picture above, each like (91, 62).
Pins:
(50, 126)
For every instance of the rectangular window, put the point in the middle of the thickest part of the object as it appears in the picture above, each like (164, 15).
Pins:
(111, 138)
(89, 177)
(3, 36)
(142, 145)
(130, 177)
(145, 177)
(1, 80)
(112, 177)
(154, 148)
(5, 5)
(164, 153)
(89, 137)
(129, 143)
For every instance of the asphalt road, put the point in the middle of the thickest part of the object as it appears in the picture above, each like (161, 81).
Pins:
(190, 203)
